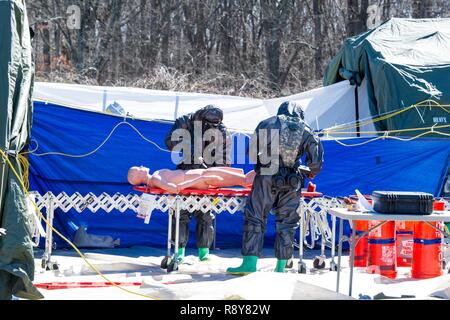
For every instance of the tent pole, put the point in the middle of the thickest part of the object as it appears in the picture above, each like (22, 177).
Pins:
(177, 104)
(358, 129)
(2, 183)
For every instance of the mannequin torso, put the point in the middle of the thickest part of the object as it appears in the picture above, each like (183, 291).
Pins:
(177, 180)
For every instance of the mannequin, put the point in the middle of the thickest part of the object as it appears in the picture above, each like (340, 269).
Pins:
(176, 180)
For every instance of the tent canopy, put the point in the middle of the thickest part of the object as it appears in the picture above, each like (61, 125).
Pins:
(324, 107)
(403, 62)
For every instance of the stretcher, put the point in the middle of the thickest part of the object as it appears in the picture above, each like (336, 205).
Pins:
(315, 211)
(215, 200)
(210, 200)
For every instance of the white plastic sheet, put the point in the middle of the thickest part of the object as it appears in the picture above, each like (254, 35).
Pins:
(325, 107)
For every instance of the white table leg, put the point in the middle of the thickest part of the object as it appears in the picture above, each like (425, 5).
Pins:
(333, 245)
(341, 231)
(301, 264)
(352, 256)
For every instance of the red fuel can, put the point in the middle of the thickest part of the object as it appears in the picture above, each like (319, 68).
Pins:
(382, 258)
(427, 251)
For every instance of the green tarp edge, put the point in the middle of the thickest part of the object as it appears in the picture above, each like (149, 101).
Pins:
(16, 85)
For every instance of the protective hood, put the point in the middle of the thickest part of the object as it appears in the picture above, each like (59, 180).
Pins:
(210, 114)
(291, 109)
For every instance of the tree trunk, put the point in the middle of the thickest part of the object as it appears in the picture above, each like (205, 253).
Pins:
(46, 48)
(318, 11)
(274, 16)
(362, 25)
(225, 41)
(166, 31)
(352, 17)
(422, 9)
(153, 47)
(56, 33)
(112, 30)
(386, 10)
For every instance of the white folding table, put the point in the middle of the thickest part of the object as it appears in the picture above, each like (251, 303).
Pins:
(353, 216)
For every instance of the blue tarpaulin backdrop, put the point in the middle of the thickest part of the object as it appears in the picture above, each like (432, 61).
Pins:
(418, 165)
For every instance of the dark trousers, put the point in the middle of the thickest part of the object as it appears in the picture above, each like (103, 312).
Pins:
(261, 201)
(204, 231)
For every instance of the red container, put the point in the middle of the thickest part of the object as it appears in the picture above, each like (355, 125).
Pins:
(439, 206)
(362, 246)
(311, 187)
(382, 257)
(427, 251)
(404, 241)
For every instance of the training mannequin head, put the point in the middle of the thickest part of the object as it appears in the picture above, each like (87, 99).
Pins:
(138, 175)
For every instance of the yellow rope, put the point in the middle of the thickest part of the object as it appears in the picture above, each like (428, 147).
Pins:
(389, 137)
(426, 103)
(64, 238)
(25, 170)
(396, 131)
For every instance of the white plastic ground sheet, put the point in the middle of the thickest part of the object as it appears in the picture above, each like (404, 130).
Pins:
(207, 280)
(325, 107)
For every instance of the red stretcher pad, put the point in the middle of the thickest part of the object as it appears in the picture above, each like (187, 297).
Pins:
(225, 192)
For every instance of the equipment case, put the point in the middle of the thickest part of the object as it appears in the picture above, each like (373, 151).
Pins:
(397, 202)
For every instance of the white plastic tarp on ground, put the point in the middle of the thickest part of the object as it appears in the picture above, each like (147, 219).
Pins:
(325, 107)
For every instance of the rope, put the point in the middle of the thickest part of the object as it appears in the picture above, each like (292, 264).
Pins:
(101, 144)
(25, 170)
(387, 136)
(5, 157)
(395, 131)
(426, 103)
(33, 152)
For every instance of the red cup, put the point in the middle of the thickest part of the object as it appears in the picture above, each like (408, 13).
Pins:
(439, 206)
(311, 187)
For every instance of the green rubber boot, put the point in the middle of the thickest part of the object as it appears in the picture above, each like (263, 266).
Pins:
(281, 264)
(203, 254)
(248, 266)
(181, 253)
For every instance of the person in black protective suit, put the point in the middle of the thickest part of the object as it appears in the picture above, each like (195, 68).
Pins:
(209, 117)
(278, 187)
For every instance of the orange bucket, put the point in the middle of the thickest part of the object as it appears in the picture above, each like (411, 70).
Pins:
(382, 258)
(404, 241)
(427, 251)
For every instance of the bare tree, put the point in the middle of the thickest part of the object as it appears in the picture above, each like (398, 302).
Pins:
(246, 47)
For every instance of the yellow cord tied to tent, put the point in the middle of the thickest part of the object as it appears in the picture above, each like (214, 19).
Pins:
(24, 162)
(340, 129)
(25, 170)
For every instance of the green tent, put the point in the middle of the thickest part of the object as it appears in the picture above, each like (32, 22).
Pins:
(402, 62)
(16, 83)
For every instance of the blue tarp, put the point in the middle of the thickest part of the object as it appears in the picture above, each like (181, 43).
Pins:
(418, 165)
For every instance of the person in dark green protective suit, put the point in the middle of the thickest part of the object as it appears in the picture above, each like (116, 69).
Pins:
(207, 118)
(277, 183)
